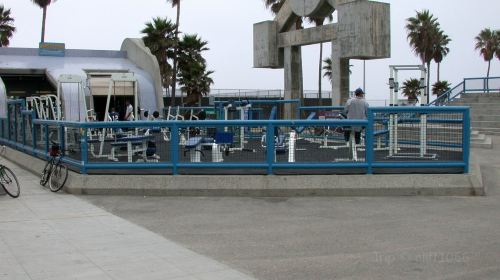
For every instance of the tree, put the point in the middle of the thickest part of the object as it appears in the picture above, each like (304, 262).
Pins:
(487, 44)
(177, 4)
(439, 88)
(441, 49)
(7, 28)
(274, 5)
(194, 77)
(422, 34)
(497, 53)
(160, 39)
(319, 22)
(43, 4)
(328, 68)
(411, 89)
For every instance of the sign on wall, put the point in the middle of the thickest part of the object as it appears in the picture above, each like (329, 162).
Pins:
(51, 49)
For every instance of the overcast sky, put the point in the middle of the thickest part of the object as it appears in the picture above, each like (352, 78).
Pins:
(227, 26)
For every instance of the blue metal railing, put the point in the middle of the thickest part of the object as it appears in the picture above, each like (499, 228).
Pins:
(37, 134)
(469, 85)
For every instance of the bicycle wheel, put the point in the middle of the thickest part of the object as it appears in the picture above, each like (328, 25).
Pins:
(46, 173)
(9, 182)
(58, 177)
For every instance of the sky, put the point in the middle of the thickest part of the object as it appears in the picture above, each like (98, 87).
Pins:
(227, 25)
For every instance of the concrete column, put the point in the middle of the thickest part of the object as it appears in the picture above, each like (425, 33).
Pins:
(293, 79)
(340, 77)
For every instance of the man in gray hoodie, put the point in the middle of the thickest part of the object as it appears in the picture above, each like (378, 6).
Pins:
(356, 108)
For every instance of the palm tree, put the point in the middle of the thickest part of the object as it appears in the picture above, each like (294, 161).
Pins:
(319, 22)
(176, 4)
(487, 44)
(441, 49)
(328, 68)
(194, 77)
(274, 5)
(411, 89)
(439, 88)
(43, 4)
(160, 39)
(6, 27)
(195, 83)
(422, 31)
(497, 53)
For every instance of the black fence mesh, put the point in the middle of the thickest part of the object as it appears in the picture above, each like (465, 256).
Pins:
(72, 143)
(229, 144)
(141, 144)
(418, 137)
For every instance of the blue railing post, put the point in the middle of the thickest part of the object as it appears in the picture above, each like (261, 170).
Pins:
(369, 141)
(85, 148)
(9, 123)
(23, 128)
(33, 131)
(270, 150)
(46, 126)
(466, 139)
(174, 139)
(61, 137)
(16, 124)
(465, 86)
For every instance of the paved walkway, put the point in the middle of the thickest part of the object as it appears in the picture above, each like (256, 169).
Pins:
(46, 235)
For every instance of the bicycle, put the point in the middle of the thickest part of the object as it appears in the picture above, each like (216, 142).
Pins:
(8, 180)
(55, 172)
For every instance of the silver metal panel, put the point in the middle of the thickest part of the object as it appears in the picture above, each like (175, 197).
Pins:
(76, 63)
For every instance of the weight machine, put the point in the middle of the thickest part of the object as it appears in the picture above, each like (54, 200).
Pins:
(394, 120)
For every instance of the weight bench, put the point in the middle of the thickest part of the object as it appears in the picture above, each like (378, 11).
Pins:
(134, 144)
(193, 146)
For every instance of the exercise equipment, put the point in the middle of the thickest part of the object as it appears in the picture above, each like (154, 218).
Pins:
(34, 103)
(122, 78)
(71, 92)
(51, 107)
(394, 119)
(194, 146)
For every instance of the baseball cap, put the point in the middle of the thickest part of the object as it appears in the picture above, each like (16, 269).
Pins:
(359, 91)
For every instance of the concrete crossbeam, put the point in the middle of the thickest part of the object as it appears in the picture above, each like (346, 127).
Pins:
(310, 36)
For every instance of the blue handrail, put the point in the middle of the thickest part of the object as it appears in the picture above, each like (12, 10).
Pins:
(42, 131)
(447, 96)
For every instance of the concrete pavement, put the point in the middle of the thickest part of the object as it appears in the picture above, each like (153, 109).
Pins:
(46, 235)
(366, 238)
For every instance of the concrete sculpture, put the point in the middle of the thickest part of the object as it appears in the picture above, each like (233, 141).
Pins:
(361, 32)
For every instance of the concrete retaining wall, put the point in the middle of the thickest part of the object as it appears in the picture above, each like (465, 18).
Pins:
(266, 186)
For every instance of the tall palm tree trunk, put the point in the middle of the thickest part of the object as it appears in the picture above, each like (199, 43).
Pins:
(320, 97)
(174, 76)
(438, 70)
(44, 18)
(488, 77)
(428, 87)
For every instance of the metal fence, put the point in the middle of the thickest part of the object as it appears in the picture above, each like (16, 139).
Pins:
(391, 140)
(469, 86)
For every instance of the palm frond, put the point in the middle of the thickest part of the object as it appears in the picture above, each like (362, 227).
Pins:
(7, 28)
